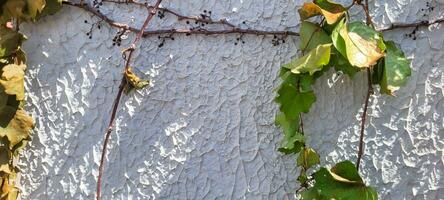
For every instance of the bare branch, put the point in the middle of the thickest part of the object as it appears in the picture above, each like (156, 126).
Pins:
(129, 51)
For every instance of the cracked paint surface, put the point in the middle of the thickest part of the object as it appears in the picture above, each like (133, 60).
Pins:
(205, 128)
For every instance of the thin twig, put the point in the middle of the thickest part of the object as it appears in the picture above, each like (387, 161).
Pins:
(363, 118)
(231, 30)
(411, 25)
(179, 16)
(197, 31)
(129, 52)
(367, 98)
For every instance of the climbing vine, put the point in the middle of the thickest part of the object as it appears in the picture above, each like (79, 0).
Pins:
(15, 123)
(329, 40)
(335, 42)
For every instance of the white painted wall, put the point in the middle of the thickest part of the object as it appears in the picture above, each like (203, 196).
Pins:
(205, 129)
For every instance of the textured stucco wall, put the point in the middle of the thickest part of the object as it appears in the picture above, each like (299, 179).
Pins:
(205, 129)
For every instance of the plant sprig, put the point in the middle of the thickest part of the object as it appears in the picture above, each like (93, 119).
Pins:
(348, 47)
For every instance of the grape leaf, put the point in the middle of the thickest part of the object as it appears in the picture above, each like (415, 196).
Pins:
(10, 41)
(331, 11)
(338, 41)
(309, 10)
(346, 170)
(292, 102)
(342, 183)
(396, 69)
(134, 80)
(308, 158)
(364, 46)
(312, 35)
(341, 64)
(294, 96)
(9, 192)
(378, 71)
(34, 7)
(18, 128)
(5, 156)
(51, 7)
(12, 80)
(312, 61)
(293, 140)
(12, 9)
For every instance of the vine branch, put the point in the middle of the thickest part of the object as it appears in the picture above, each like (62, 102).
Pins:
(232, 29)
(369, 93)
(129, 53)
(199, 31)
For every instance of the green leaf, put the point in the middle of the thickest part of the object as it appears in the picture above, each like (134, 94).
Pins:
(347, 170)
(12, 80)
(302, 178)
(294, 96)
(341, 64)
(341, 183)
(312, 35)
(308, 158)
(293, 140)
(10, 41)
(311, 62)
(364, 46)
(337, 40)
(378, 71)
(396, 69)
(8, 107)
(5, 156)
(292, 102)
(51, 7)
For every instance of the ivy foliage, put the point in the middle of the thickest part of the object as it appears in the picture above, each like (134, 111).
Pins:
(345, 46)
(15, 123)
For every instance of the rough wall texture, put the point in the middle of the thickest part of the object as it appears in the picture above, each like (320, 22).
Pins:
(205, 128)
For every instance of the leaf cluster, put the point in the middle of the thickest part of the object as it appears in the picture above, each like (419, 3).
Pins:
(15, 124)
(346, 46)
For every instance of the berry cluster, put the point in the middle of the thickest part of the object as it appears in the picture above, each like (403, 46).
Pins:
(161, 14)
(96, 24)
(97, 4)
(413, 33)
(429, 8)
(117, 40)
(164, 38)
(239, 39)
(206, 15)
(278, 40)
(204, 19)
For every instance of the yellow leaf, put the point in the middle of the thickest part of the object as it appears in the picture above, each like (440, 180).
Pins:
(18, 128)
(331, 11)
(330, 17)
(13, 80)
(35, 7)
(9, 192)
(134, 80)
(13, 8)
(309, 10)
(361, 52)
